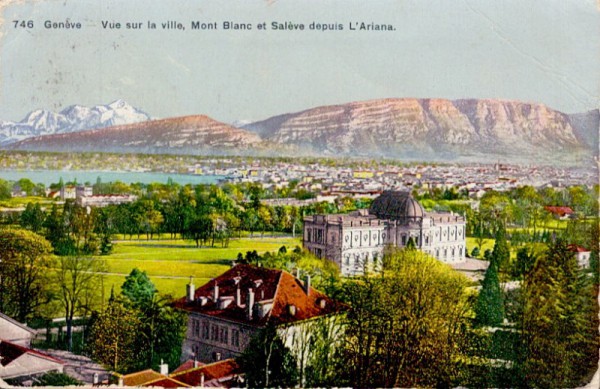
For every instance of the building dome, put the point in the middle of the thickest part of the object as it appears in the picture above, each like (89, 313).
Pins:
(400, 206)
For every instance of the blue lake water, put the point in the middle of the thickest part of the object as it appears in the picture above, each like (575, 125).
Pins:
(48, 177)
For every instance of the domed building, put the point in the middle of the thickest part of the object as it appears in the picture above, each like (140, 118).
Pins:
(356, 241)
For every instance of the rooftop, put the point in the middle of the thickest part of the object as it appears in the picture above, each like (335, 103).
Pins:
(276, 298)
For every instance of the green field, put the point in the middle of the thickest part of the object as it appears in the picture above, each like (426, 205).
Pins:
(170, 263)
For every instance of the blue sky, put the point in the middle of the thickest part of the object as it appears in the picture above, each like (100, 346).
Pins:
(527, 50)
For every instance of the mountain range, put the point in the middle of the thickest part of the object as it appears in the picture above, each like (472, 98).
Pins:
(481, 130)
(71, 119)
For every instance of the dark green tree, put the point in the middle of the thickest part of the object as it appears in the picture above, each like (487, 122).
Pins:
(138, 289)
(559, 326)
(32, 218)
(489, 309)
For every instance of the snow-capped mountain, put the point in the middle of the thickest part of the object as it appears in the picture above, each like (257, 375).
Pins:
(71, 119)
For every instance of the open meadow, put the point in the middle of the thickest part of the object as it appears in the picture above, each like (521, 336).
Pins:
(170, 262)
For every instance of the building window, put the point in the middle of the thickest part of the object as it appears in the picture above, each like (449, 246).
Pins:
(205, 331)
(403, 240)
(347, 257)
(235, 338)
(319, 234)
(223, 335)
(214, 332)
(196, 329)
(308, 235)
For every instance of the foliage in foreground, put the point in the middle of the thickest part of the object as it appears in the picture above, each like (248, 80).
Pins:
(407, 327)
(138, 329)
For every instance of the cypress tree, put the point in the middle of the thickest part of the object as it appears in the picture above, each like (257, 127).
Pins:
(489, 309)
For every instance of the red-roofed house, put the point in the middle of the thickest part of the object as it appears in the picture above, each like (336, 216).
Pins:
(17, 362)
(560, 212)
(227, 311)
(582, 255)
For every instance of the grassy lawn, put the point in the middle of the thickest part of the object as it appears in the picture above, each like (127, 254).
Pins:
(169, 263)
(487, 244)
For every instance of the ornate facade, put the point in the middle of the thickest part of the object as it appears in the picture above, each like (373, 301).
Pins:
(355, 242)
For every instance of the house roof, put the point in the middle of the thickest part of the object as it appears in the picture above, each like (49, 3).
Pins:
(279, 298)
(150, 377)
(218, 372)
(189, 364)
(578, 249)
(16, 323)
(10, 352)
(559, 210)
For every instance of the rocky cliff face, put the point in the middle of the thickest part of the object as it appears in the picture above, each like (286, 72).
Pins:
(427, 128)
(188, 134)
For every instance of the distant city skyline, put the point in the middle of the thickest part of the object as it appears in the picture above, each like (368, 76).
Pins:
(510, 50)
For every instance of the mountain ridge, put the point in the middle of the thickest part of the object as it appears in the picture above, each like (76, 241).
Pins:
(400, 128)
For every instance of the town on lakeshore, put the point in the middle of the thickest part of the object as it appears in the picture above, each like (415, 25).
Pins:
(276, 271)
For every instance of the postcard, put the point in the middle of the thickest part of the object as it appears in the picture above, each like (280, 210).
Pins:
(242, 169)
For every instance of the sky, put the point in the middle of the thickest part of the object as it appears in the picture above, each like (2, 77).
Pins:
(528, 50)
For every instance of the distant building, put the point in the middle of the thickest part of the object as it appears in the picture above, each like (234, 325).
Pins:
(561, 213)
(356, 241)
(84, 191)
(68, 192)
(582, 255)
(105, 200)
(226, 312)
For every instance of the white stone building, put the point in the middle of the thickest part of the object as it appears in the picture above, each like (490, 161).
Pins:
(356, 241)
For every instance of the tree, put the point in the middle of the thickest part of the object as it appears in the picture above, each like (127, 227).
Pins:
(267, 362)
(501, 252)
(138, 288)
(559, 325)
(32, 218)
(5, 190)
(25, 259)
(114, 337)
(79, 283)
(407, 326)
(162, 328)
(489, 309)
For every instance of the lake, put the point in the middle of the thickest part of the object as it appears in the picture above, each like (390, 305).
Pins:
(48, 177)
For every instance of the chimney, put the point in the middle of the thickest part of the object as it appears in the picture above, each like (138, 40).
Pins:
(196, 364)
(216, 292)
(120, 384)
(218, 356)
(307, 284)
(201, 380)
(95, 379)
(238, 297)
(164, 368)
(250, 303)
(190, 289)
